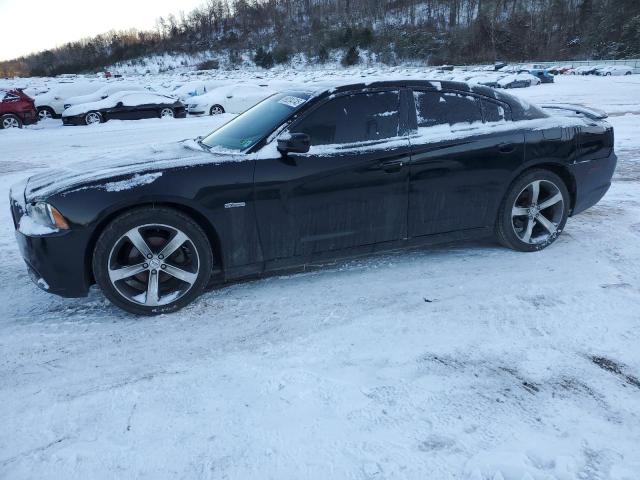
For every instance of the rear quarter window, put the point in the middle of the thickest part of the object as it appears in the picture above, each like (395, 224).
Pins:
(10, 97)
(495, 112)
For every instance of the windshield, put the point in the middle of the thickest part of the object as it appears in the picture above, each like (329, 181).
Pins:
(247, 129)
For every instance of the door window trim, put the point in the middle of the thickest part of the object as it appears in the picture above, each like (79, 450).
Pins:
(403, 112)
(412, 110)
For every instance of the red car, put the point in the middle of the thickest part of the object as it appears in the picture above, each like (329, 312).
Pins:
(16, 109)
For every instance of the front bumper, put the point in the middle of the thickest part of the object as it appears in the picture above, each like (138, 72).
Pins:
(57, 261)
(196, 111)
(54, 263)
(29, 117)
(77, 120)
(593, 180)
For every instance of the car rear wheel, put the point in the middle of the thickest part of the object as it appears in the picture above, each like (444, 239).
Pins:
(45, 113)
(152, 260)
(216, 110)
(533, 212)
(166, 113)
(10, 121)
(92, 118)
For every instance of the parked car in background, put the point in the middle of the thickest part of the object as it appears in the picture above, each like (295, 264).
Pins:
(543, 75)
(615, 70)
(229, 99)
(309, 177)
(51, 103)
(16, 109)
(563, 70)
(195, 88)
(585, 70)
(126, 105)
(103, 93)
(492, 81)
(518, 80)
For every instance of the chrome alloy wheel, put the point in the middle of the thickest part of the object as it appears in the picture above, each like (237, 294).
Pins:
(216, 110)
(153, 265)
(10, 122)
(166, 113)
(44, 114)
(92, 118)
(537, 212)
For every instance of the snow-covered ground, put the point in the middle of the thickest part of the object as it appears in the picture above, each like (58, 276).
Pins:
(466, 361)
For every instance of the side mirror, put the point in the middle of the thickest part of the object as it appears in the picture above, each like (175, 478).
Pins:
(294, 143)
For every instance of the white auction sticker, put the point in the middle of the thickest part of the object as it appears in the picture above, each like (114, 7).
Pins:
(292, 102)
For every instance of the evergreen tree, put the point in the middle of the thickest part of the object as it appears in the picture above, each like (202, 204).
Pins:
(351, 57)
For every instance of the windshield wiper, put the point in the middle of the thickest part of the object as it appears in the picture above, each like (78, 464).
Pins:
(203, 145)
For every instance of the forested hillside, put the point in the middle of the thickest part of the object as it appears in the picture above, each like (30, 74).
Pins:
(430, 31)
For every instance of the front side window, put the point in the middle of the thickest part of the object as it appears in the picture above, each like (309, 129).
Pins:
(247, 129)
(356, 118)
(446, 108)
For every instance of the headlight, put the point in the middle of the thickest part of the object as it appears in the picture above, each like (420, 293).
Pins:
(46, 215)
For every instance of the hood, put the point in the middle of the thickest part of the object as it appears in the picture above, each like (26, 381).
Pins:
(122, 166)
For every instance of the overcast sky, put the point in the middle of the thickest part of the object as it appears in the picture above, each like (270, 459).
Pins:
(32, 25)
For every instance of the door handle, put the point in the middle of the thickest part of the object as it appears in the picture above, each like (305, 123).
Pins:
(392, 165)
(506, 148)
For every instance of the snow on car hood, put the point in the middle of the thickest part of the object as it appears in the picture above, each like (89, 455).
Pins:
(123, 170)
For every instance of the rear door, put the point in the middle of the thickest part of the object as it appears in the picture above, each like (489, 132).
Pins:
(460, 164)
(349, 190)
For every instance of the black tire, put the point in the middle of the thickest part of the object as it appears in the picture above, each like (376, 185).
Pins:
(506, 222)
(45, 112)
(89, 115)
(216, 110)
(133, 219)
(166, 112)
(10, 121)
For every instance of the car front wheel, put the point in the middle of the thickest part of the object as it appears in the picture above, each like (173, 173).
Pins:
(45, 113)
(166, 113)
(533, 212)
(10, 121)
(152, 260)
(216, 110)
(92, 118)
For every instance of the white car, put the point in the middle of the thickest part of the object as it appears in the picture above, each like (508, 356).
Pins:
(229, 99)
(51, 103)
(197, 88)
(615, 70)
(102, 93)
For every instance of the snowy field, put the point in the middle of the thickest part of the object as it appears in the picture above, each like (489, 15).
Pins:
(466, 361)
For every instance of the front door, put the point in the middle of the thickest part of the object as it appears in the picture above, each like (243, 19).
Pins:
(349, 190)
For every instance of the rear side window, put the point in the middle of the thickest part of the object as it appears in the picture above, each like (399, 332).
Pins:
(353, 118)
(446, 108)
(10, 97)
(495, 112)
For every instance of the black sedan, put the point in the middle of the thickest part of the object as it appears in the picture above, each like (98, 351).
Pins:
(126, 105)
(309, 177)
